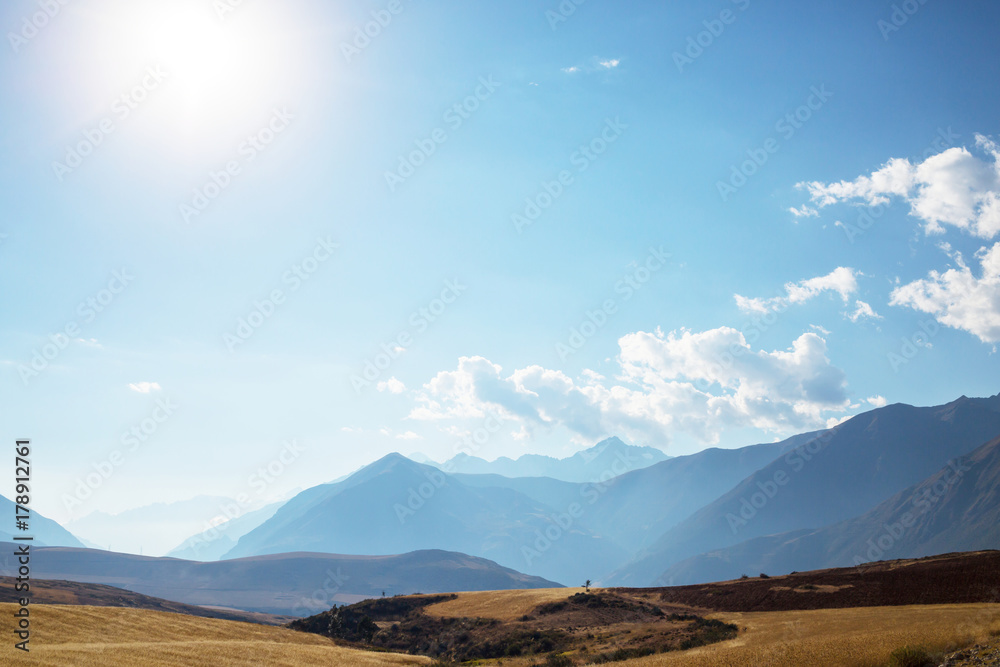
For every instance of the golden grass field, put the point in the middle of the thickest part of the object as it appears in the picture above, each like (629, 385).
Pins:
(859, 637)
(501, 605)
(102, 636)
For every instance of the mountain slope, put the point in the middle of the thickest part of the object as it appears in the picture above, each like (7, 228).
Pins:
(152, 529)
(396, 505)
(294, 584)
(212, 544)
(586, 466)
(956, 509)
(841, 474)
(45, 531)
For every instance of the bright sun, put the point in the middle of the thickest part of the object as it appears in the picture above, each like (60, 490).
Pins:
(220, 71)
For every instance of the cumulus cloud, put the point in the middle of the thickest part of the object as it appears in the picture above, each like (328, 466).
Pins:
(609, 64)
(842, 280)
(698, 383)
(953, 187)
(958, 298)
(144, 387)
(392, 385)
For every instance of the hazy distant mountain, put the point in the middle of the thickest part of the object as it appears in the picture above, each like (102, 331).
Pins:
(45, 531)
(212, 544)
(151, 530)
(956, 509)
(397, 505)
(638, 506)
(295, 584)
(587, 466)
(842, 474)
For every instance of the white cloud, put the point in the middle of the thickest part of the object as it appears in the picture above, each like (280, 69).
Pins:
(571, 70)
(609, 64)
(863, 310)
(144, 387)
(877, 401)
(805, 211)
(818, 329)
(392, 385)
(957, 298)
(953, 187)
(697, 383)
(842, 280)
(409, 435)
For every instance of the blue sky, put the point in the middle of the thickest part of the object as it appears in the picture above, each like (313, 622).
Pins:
(327, 124)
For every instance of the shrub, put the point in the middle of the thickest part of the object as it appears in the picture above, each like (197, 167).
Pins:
(910, 656)
(764, 576)
(744, 577)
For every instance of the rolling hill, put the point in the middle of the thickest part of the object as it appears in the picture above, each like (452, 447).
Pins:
(292, 584)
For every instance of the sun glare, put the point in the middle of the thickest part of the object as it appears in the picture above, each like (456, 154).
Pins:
(216, 71)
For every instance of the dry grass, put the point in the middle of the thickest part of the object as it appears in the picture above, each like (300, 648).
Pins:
(501, 605)
(862, 637)
(100, 636)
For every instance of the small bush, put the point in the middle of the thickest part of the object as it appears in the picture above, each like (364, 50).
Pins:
(764, 576)
(744, 577)
(910, 656)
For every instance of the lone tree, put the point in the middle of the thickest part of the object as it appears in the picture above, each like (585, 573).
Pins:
(586, 585)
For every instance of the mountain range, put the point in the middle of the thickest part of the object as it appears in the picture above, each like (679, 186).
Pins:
(586, 466)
